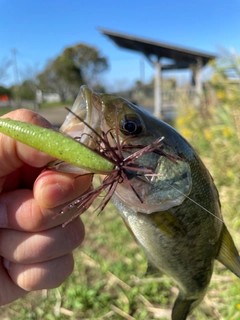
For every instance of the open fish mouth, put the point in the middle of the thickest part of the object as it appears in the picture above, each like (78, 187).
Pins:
(86, 109)
(81, 123)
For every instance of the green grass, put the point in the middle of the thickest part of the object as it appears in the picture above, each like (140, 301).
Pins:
(5, 110)
(55, 104)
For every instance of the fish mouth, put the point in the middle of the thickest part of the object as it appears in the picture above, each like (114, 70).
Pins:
(83, 123)
(86, 109)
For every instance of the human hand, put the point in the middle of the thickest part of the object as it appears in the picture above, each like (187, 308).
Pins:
(35, 250)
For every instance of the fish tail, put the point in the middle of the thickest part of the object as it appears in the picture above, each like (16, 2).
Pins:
(183, 307)
(228, 254)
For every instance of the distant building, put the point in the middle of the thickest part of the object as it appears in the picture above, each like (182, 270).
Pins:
(47, 97)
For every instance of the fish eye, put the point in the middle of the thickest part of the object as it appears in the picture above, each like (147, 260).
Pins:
(131, 126)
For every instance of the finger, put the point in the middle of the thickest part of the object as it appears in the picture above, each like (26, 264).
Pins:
(10, 291)
(53, 188)
(22, 178)
(27, 248)
(45, 275)
(19, 209)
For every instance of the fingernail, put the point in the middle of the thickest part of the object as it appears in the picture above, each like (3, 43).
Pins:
(3, 215)
(6, 264)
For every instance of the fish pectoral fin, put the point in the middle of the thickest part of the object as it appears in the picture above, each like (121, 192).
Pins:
(228, 254)
(168, 223)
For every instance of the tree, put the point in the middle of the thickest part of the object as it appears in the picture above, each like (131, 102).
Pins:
(5, 91)
(4, 66)
(77, 65)
(88, 60)
(226, 77)
(25, 91)
(62, 77)
(227, 65)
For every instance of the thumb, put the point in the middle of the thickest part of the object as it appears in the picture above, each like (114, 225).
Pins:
(13, 153)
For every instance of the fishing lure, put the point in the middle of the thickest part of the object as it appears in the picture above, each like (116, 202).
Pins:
(56, 144)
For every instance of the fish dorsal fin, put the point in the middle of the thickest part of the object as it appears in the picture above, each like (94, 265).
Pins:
(228, 254)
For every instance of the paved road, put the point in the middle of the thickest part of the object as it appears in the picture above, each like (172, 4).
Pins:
(54, 115)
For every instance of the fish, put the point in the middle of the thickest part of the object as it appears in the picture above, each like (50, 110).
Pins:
(166, 196)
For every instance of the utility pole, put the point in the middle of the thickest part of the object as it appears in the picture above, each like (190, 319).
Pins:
(15, 65)
(16, 76)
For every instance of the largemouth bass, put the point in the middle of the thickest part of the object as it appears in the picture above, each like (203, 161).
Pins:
(172, 209)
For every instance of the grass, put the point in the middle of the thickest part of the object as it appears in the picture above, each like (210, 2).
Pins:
(45, 105)
(5, 110)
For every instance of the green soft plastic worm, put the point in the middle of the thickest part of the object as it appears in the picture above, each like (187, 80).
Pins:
(56, 144)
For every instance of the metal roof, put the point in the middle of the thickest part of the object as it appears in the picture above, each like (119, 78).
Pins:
(183, 57)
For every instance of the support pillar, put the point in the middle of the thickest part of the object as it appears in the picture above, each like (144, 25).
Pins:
(196, 76)
(157, 90)
(197, 81)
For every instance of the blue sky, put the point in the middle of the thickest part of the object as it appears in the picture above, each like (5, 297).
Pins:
(40, 30)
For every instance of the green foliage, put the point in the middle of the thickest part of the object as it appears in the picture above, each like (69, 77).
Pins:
(77, 65)
(25, 91)
(5, 64)
(87, 59)
(226, 79)
(56, 104)
(7, 91)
